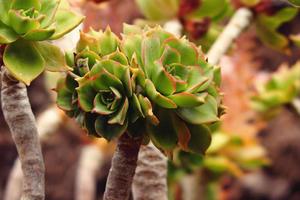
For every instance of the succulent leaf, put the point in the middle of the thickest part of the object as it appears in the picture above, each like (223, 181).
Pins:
(23, 60)
(206, 113)
(7, 35)
(39, 34)
(48, 9)
(109, 131)
(200, 138)
(65, 21)
(24, 25)
(53, 57)
(64, 96)
(164, 135)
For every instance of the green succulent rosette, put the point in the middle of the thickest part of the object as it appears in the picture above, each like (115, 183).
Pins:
(182, 86)
(100, 93)
(149, 84)
(282, 88)
(24, 27)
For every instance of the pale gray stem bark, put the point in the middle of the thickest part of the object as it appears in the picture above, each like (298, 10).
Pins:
(240, 21)
(47, 123)
(193, 186)
(150, 180)
(123, 167)
(20, 119)
(90, 162)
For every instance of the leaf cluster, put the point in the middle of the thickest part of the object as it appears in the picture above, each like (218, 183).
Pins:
(148, 83)
(25, 25)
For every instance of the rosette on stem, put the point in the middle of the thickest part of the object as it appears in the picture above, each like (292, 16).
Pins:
(101, 92)
(24, 27)
(182, 86)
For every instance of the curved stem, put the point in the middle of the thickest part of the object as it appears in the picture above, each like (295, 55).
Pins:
(20, 119)
(237, 24)
(150, 180)
(47, 123)
(123, 167)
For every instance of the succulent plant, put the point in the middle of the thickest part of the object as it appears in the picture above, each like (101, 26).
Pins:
(99, 91)
(198, 17)
(24, 27)
(149, 83)
(267, 28)
(280, 89)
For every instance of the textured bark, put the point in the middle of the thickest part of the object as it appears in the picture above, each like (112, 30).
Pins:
(47, 123)
(90, 162)
(237, 24)
(123, 167)
(20, 119)
(150, 180)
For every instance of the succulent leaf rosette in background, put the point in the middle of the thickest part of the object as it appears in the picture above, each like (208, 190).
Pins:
(148, 83)
(199, 18)
(202, 20)
(25, 25)
(281, 88)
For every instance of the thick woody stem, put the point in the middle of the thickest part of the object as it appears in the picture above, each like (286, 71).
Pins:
(150, 180)
(123, 167)
(90, 162)
(237, 24)
(47, 123)
(20, 119)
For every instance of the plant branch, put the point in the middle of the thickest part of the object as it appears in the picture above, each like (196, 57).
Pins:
(150, 180)
(20, 119)
(240, 20)
(90, 162)
(47, 123)
(123, 167)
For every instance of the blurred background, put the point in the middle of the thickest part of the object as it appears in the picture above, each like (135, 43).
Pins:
(255, 151)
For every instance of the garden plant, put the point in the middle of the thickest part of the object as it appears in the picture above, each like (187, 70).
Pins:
(147, 86)
(151, 89)
(24, 28)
